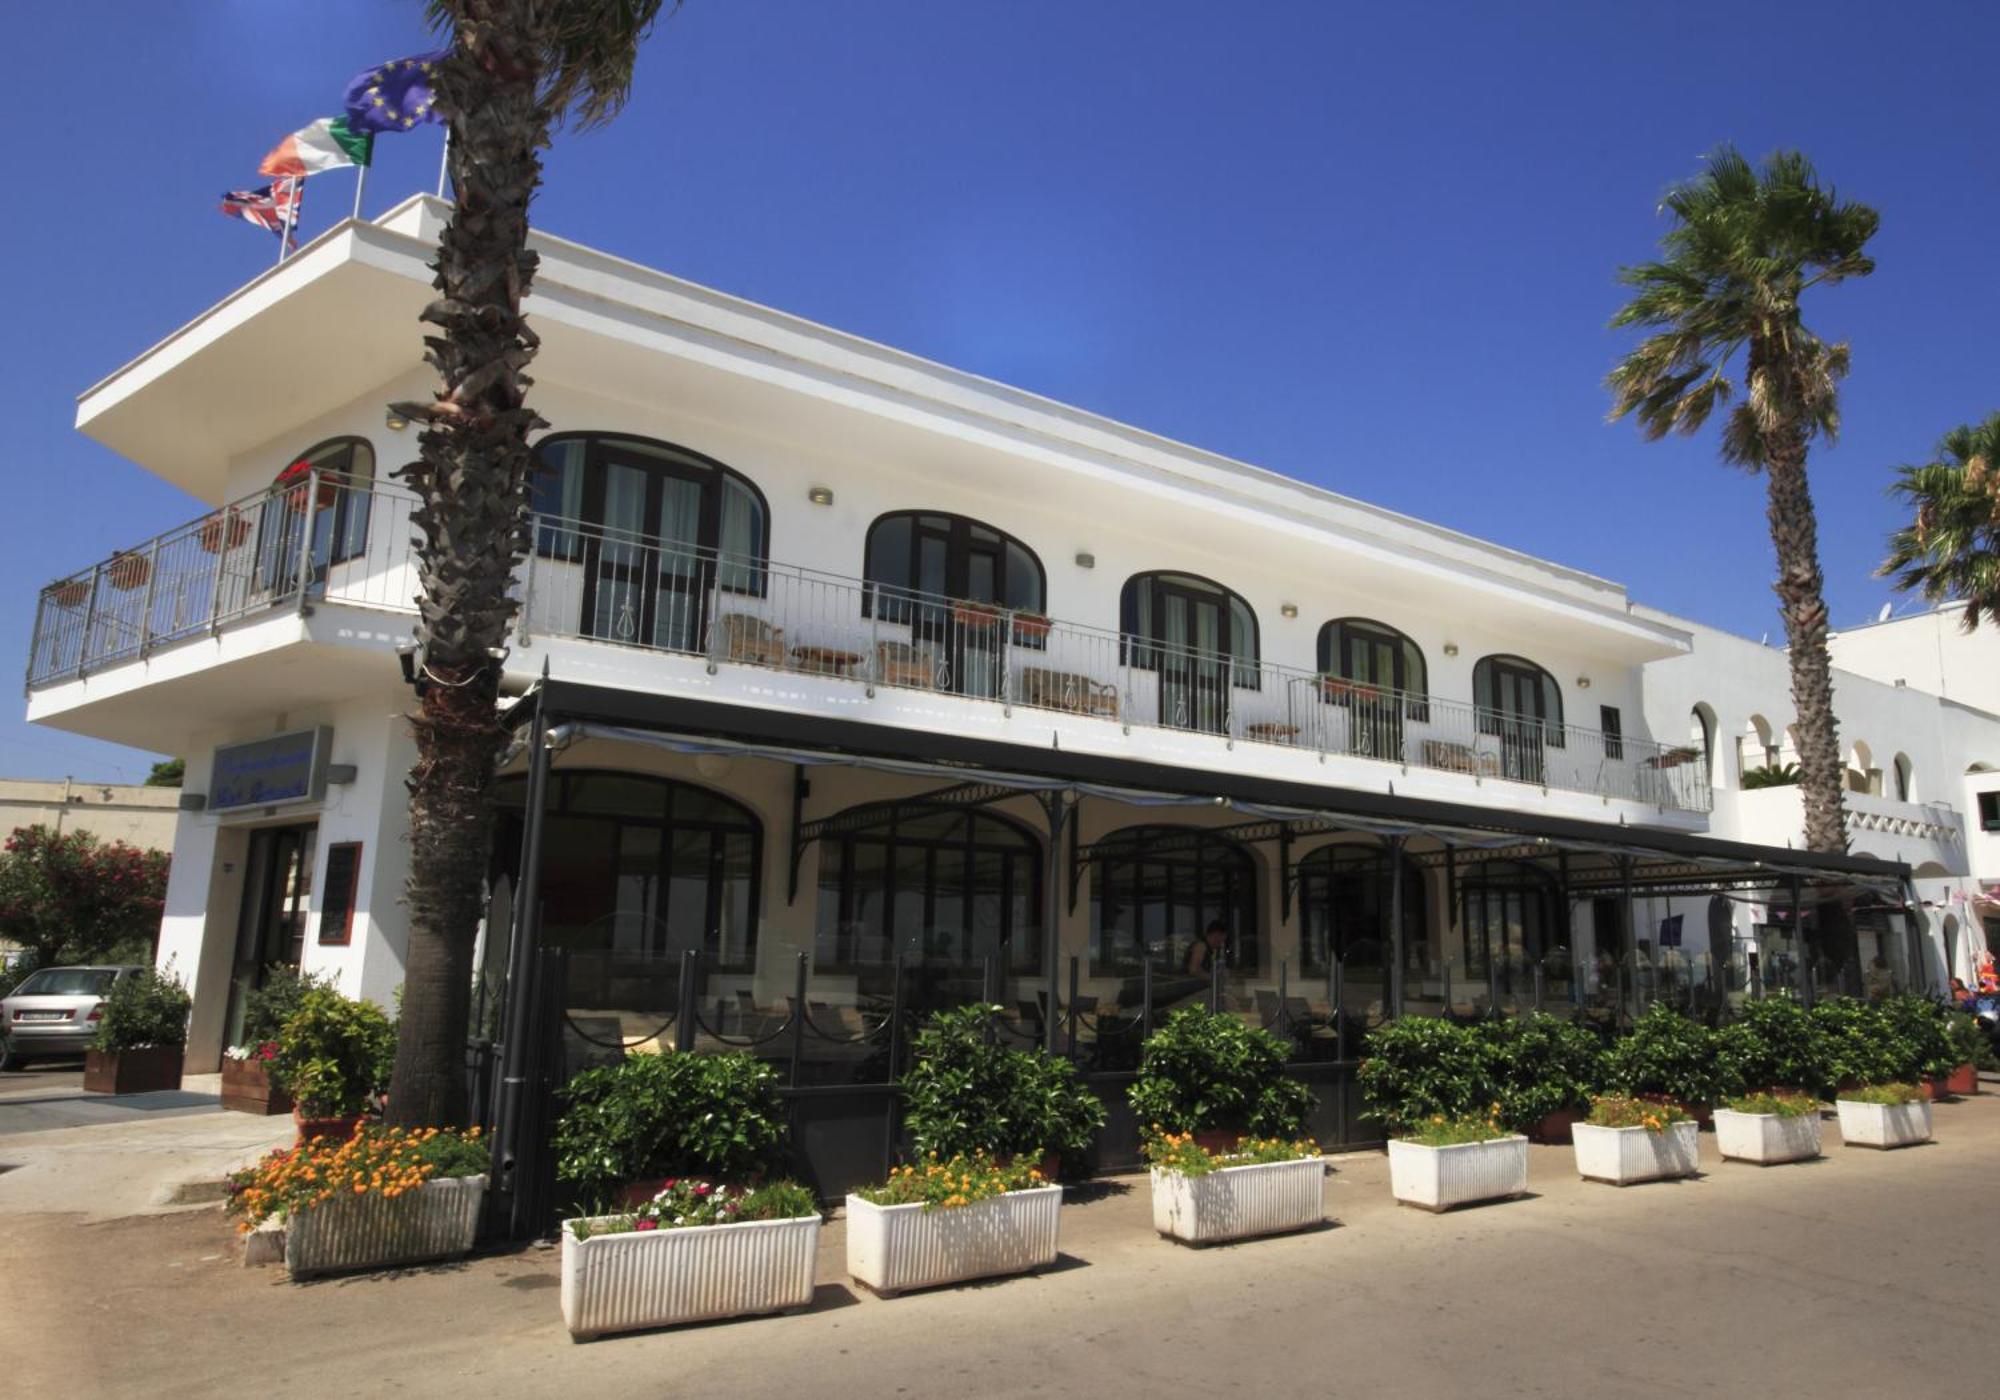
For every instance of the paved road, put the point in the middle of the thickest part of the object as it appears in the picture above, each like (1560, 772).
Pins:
(48, 1094)
(1860, 1275)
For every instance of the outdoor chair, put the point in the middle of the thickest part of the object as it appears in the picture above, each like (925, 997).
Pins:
(906, 664)
(752, 639)
(1048, 689)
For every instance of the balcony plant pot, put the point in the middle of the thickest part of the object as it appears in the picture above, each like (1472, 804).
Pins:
(150, 1070)
(1030, 627)
(1626, 1156)
(339, 1128)
(295, 476)
(1884, 1125)
(224, 530)
(1766, 1138)
(1236, 1203)
(893, 1248)
(658, 1278)
(976, 615)
(247, 1088)
(70, 593)
(438, 1220)
(1438, 1178)
(126, 572)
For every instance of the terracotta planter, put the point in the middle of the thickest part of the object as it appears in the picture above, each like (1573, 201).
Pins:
(1030, 627)
(974, 615)
(69, 594)
(1964, 1080)
(1217, 1140)
(1556, 1129)
(338, 1128)
(128, 571)
(227, 530)
(247, 1088)
(1702, 1113)
(148, 1071)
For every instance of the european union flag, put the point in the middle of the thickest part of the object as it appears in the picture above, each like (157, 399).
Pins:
(394, 96)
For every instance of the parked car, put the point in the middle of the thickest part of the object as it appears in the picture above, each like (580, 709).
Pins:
(54, 1012)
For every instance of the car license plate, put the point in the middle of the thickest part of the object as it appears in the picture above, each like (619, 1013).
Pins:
(43, 1016)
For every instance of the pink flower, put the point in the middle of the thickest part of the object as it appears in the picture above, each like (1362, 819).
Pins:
(647, 1225)
(702, 1188)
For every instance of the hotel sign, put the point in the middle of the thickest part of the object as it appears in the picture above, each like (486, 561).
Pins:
(283, 769)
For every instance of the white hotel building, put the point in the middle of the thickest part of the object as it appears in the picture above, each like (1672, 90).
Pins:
(835, 639)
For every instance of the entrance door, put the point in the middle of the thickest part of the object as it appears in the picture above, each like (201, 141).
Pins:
(1194, 659)
(277, 897)
(1375, 726)
(1521, 719)
(646, 576)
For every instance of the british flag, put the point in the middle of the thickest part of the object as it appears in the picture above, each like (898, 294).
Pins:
(274, 207)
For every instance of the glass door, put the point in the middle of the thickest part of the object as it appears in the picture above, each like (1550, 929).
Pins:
(1194, 660)
(277, 900)
(1371, 660)
(1522, 721)
(646, 576)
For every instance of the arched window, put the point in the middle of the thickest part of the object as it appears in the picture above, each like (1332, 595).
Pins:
(938, 886)
(655, 528)
(1512, 917)
(1701, 732)
(913, 555)
(336, 514)
(1906, 781)
(1373, 654)
(1199, 636)
(1344, 905)
(1154, 890)
(635, 870)
(1520, 703)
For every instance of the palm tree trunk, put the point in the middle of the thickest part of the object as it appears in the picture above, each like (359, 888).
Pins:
(472, 483)
(1795, 533)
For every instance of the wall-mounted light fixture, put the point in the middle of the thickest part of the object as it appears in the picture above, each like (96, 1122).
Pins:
(396, 422)
(820, 495)
(1583, 682)
(341, 773)
(1288, 609)
(1451, 648)
(1085, 560)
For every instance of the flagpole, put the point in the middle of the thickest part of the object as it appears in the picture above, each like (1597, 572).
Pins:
(291, 215)
(444, 162)
(360, 183)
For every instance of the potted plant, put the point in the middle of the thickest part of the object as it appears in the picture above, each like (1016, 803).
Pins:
(974, 615)
(1670, 1058)
(1263, 1186)
(1030, 626)
(1922, 1030)
(948, 1220)
(1209, 1074)
(1969, 1046)
(1627, 1140)
(695, 1251)
(1546, 1069)
(296, 476)
(225, 530)
(966, 1094)
(247, 1083)
(141, 1036)
(1862, 1045)
(1774, 1045)
(1450, 1162)
(380, 1198)
(126, 571)
(333, 1052)
(1884, 1115)
(626, 1129)
(69, 592)
(1768, 1128)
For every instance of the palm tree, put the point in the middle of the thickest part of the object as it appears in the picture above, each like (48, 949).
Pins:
(1745, 246)
(516, 69)
(1951, 547)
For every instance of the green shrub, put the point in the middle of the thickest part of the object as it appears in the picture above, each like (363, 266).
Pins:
(1862, 1047)
(267, 1008)
(1624, 1111)
(1775, 1044)
(1668, 1056)
(1891, 1094)
(965, 1094)
(1542, 1064)
(712, 1116)
(1922, 1036)
(1783, 1105)
(1202, 1070)
(1968, 1042)
(1179, 1152)
(146, 1009)
(1423, 1070)
(331, 1053)
(1452, 1132)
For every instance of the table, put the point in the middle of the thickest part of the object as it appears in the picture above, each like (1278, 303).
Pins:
(1271, 732)
(826, 661)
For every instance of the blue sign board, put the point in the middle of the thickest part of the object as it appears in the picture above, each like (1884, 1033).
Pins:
(1670, 931)
(269, 772)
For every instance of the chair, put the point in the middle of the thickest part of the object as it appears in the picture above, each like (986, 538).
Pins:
(905, 663)
(1049, 689)
(752, 639)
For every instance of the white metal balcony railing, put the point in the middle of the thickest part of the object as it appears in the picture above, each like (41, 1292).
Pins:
(333, 539)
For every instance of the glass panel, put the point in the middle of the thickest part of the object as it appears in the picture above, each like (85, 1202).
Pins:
(615, 795)
(931, 561)
(556, 495)
(636, 926)
(689, 861)
(1024, 581)
(741, 538)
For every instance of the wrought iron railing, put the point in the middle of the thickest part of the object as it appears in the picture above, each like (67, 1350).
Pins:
(340, 540)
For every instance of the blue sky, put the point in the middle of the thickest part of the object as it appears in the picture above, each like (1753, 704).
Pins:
(1372, 247)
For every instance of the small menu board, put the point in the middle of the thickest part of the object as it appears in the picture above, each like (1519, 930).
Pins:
(336, 905)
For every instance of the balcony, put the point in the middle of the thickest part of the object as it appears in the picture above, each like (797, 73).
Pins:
(330, 540)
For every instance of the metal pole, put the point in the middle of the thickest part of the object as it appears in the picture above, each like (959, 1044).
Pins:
(1145, 994)
(1338, 992)
(360, 183)
(444, 162)
(1805, 969)
(1629, 932)
(1394, 1007)
(509, 1146)
(307, 511)
(1056, 805)
(291, 217)
(798, 1016)
(685, 1014)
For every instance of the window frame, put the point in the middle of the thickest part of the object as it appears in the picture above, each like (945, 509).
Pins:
(1316, 872)
(1409, 665)
(1490, 718)
(1242, 894)
(1988, 802)
(1144, 650)
(957, 537)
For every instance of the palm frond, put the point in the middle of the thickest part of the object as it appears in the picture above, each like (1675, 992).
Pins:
(1950, 550)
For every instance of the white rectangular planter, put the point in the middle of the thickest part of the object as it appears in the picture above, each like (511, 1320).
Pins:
(438, 1220)
(1265, 1198)
(656, 1278)
(1884, 1124)
(1766, 1138)
(1438, 1178)
(1623, 1156)
(891, 1248)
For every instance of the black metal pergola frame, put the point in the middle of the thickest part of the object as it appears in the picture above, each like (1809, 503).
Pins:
(1585, 857)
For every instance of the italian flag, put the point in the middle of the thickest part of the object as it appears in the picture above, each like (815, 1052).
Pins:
(327, 144)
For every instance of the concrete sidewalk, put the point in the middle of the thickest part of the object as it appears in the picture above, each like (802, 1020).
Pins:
(1855, 1275)
(103, 1156)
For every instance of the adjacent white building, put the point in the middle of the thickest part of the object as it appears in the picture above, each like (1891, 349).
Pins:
(837, 639)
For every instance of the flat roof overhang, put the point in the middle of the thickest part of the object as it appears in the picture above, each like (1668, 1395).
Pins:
(1672, 859)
